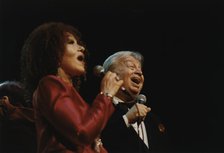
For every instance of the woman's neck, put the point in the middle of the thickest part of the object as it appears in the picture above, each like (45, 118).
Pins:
(65, 77)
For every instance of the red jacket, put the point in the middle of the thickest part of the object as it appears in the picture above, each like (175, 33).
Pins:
(64, 121)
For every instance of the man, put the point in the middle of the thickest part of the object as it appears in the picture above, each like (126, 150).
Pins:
(130, 129)
(17, 129)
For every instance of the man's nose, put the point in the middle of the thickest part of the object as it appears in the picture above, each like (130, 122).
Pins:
(138, 72)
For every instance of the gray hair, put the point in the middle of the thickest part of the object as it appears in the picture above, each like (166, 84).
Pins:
(114, 57)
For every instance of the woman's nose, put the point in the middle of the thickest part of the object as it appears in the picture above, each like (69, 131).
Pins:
(81, 48)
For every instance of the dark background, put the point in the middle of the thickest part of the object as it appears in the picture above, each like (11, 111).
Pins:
(182, 42)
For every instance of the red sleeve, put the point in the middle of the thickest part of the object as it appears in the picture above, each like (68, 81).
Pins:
(69, 114)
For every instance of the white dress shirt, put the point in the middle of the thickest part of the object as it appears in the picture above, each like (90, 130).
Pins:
(140, 129)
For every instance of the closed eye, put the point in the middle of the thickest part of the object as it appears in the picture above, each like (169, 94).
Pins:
(71, 42)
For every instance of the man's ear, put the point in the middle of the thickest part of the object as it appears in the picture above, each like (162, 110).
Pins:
(6, 98)
(6, 103)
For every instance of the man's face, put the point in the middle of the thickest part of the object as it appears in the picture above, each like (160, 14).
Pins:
(130, 71)
(5, 106)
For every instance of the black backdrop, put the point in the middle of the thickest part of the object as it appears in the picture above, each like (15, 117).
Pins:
(182, 43)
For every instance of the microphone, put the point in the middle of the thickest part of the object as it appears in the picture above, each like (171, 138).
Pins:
(141, 99)
(98, 71)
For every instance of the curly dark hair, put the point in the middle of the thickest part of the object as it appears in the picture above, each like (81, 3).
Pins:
(42, 52)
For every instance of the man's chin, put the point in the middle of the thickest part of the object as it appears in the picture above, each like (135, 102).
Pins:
(135, 93)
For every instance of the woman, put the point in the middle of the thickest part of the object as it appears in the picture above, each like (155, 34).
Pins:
(53, 64)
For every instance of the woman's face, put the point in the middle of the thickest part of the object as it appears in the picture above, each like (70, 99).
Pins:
(73, 63)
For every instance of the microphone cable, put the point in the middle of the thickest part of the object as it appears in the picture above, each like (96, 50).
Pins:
(139, 125)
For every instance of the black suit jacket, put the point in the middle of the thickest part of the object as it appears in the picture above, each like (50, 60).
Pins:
(118, 138)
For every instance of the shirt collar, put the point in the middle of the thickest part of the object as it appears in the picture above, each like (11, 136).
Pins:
(117, 100)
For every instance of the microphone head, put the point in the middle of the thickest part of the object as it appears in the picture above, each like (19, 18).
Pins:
(141, 99)
(98, 71)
